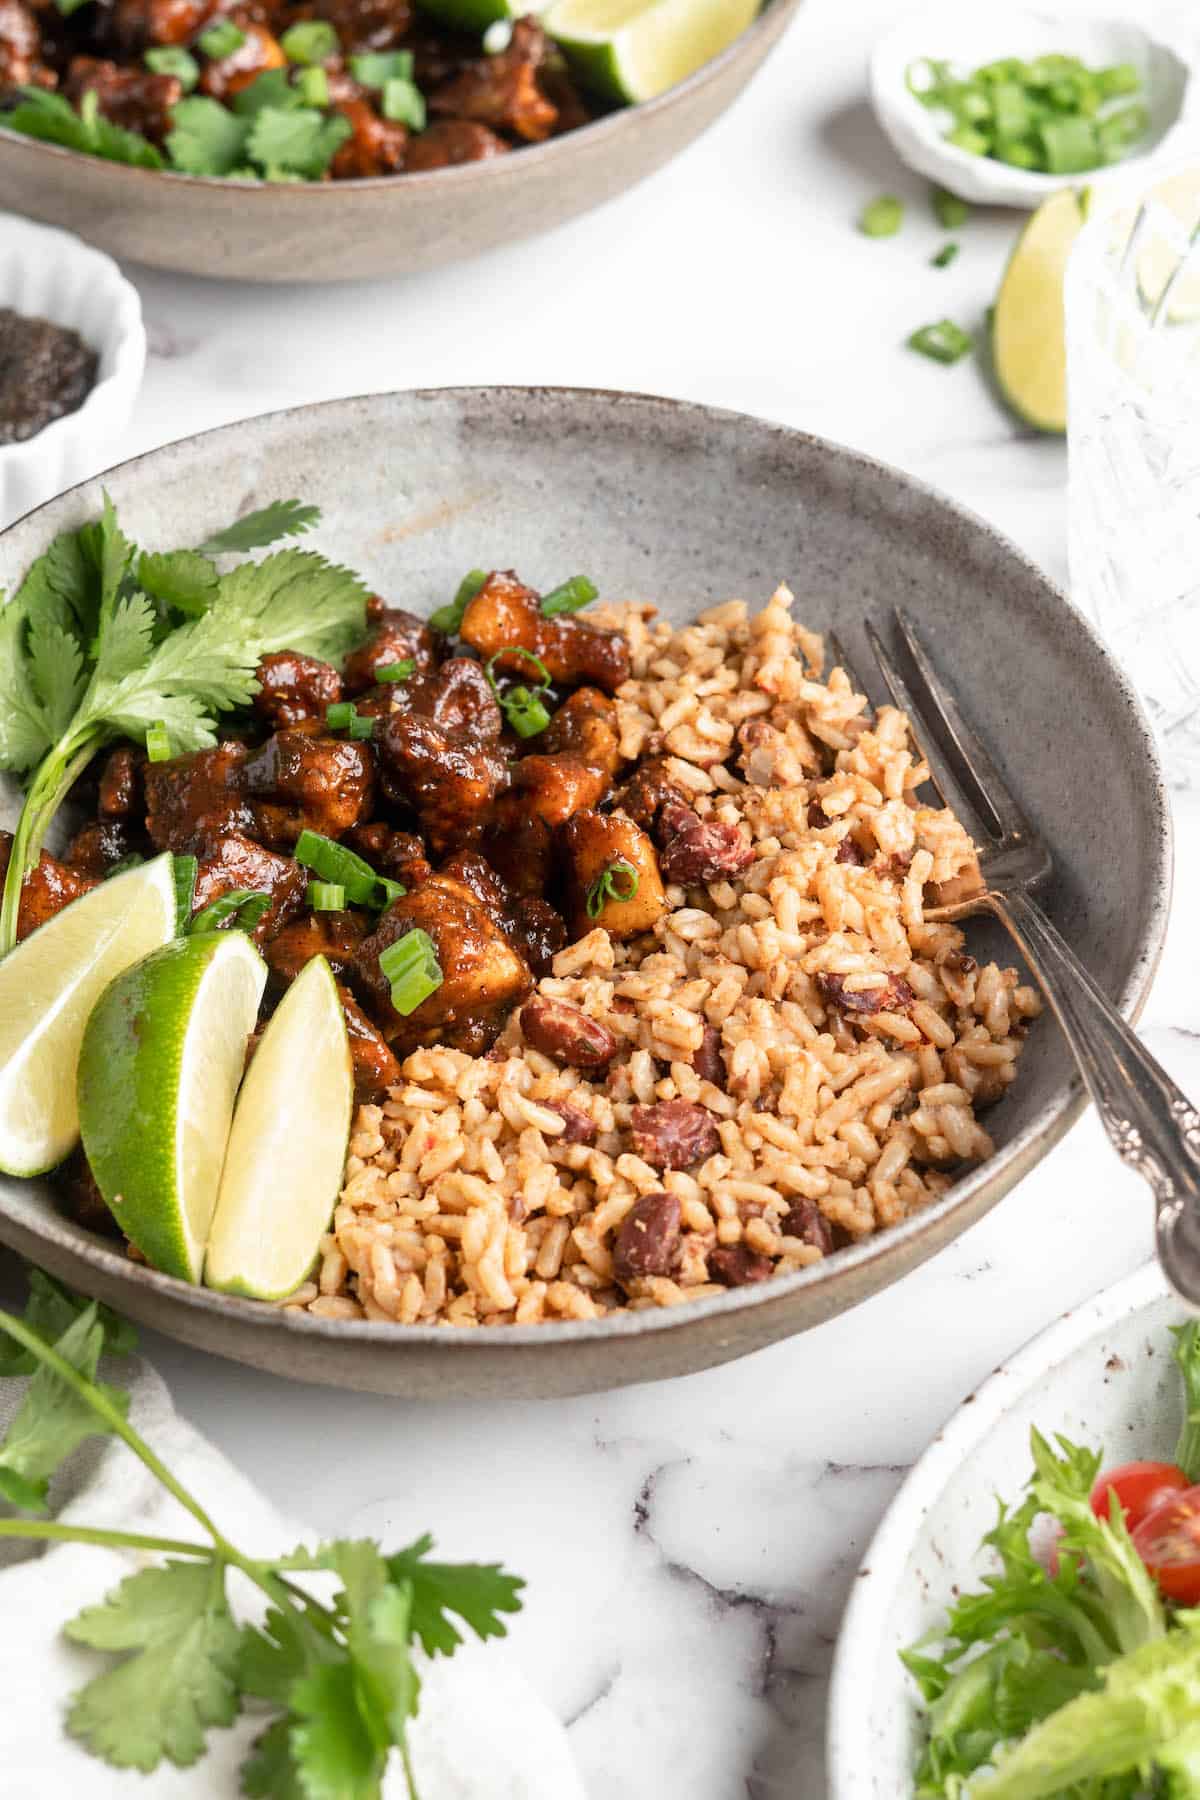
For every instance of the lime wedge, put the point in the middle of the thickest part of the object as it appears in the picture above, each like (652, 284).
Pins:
(287, 1149)
(635, 49)
(48, 986)
(161, 1060)
(1029, 348)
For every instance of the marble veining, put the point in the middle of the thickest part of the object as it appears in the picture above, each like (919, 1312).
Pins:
(689, 1547)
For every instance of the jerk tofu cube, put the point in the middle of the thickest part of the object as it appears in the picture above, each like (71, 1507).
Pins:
(592, 843)
(506, 615)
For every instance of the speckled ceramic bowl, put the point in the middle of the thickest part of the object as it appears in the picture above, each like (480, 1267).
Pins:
(1103, 1376)
(346, 230)
(687, 506)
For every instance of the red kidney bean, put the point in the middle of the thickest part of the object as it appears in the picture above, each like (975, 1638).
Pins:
(674, 1134)
(735, 1266)
(697, 849)
(580, 1128)
(648, 1238)
(805, 1220)
(893, 995)
(562, 1031)
(707, 1061)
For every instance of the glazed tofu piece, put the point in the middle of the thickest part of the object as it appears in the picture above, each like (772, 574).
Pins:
(585, 726)
(47, 888)
(298, 782)
(233, 861)
(122, 790)
(505, 614)
(483, 977)
(451, 780)
(98, 848)
(593, 842)
(193, 798)
(555, 787)
(375, 1067)
(295, 687)
(397, 636)
(333, 935)
(519, 845)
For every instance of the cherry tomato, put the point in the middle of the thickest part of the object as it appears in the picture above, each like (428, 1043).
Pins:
(1140, 1486)
(1168, 1542)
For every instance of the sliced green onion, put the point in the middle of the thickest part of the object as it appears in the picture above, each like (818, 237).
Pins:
(312, 85)
(1052, 114)
(388, 891)
(185, 870)
(339, 715)
(158, 743)
(221, 39)
(965, 137)
(944, 342)
(403, 103)
(949, 210)
(526, 655)
(397, 671)
(132, 861)
(1071, 145)
(333, 862)
(311, 41)
(326, 896)
(1122, 78)
(945, 256)
(412, 968)
(449, 618)
(362, 727)
(882, 218)
(243, 906)
(524, 711)
(569, 597)
(606, 887)
(375, 68)
(172, 59)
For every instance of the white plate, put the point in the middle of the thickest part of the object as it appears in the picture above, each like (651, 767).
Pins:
(1103, 1375)
(971, 34)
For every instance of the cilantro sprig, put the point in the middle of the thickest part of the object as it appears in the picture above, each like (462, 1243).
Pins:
(338, 1675)
(102, 641)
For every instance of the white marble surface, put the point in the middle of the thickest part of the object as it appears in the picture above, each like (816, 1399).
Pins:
(688, 1546)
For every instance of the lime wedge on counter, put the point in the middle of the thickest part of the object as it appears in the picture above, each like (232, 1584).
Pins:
(162, 1057)
(1029, 346)
(635, 49)
(48, 986)
(287, 1149)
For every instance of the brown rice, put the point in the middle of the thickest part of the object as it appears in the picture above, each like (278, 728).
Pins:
(463, 1204)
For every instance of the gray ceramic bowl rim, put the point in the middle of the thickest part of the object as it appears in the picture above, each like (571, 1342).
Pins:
(1039, 1136)
(596, 132)
(954, 1445)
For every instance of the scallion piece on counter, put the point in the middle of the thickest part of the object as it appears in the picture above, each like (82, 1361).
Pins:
(310, 42)
(944, 342)
(449, 618)
(945, 256)
(243, 906)
(185, 870)
(882, 218)
(334, 863)
(326, 896)
(158, 743)
(173, 59)
(949, 211)
(619, 881)
(221, 39)
(403, 103)
(397, 671)
(412, 968)
(570, 596)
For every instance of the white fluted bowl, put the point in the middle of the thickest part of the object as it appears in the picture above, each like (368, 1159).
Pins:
(968, 35)
(50, 274)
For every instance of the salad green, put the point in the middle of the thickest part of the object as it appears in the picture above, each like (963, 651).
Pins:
(1070, 1675)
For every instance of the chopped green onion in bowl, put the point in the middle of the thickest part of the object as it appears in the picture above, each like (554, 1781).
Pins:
(241, 908)
(449, 618)
(522, 707)
(570, 596)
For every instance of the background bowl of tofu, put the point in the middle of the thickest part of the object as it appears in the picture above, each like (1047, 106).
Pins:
(683, 505)
(388, 225)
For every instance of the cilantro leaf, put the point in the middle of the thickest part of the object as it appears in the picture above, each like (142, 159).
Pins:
(298, 139)
(255, 530)
(56, 672)
(111, 554)
(52, 1419)
(206, 138)
(180, 1678)
(477, 1592)
(270, 1772)
(62, 585)
(271, 88)
(24, 728)
(53, 120)
(272, 1660)
(335, 1754)
(180, 578)
(50, 1310)
(295, 600)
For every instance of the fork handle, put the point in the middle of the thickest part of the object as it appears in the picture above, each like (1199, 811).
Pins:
(1152, 1124)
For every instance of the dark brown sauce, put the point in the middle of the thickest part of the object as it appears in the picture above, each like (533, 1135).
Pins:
(46, 371)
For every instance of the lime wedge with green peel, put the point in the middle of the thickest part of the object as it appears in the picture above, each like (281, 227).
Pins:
(634, 49)
(287, 1149)
(1029, 346)
(48, 986)
(162, 1057)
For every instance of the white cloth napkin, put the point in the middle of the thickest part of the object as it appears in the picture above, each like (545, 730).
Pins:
(481, 1734)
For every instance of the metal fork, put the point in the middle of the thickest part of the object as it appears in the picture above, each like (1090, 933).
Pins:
(1152, 1124)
